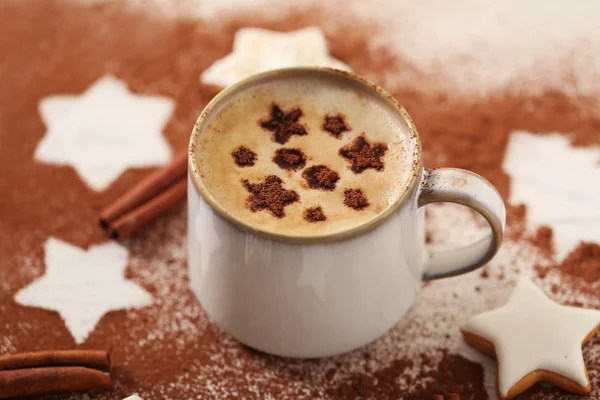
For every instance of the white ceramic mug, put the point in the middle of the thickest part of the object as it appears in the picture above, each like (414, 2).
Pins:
(324, 295)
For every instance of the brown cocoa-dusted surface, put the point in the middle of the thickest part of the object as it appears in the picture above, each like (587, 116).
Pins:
(170, 350)
(582, 263)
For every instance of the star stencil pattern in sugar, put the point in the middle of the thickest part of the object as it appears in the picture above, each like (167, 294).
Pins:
(83, 285)
(258, 50)
(556, 182)
(104, 131)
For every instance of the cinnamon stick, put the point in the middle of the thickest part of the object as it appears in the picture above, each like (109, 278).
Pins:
(98, 359)
(123, 227)
(146, 189)
(29, 374)
(39, 381)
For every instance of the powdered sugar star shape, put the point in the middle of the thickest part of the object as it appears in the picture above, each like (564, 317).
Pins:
(104, 131)
(531, 333)
(258, 50)
(83, 285)
(554, 181)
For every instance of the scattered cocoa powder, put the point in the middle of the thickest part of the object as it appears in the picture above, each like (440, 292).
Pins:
(243, 156)
(321, 177)
(543, 240)
(453, 375)
(542, 271)
(165, 57)
(356, 199)
(336, 125)
(284, 124)
(583, 262)
(269, 195)
(428, 237)
(314, 214)
(364, 155)
(293, 159)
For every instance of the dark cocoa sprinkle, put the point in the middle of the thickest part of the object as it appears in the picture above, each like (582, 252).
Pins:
(335, 125)
(290, 159)
(284, 125)
(543, 239)
(269, 195)
(243, 156)
(356, 199)
(583, 262)
(321, 177)
(364, 155)
(314, 214)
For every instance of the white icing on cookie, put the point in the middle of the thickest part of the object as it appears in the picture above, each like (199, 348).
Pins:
(258, 50)
(532, 332)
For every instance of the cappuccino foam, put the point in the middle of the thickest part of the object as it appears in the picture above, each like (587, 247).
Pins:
(296, 113)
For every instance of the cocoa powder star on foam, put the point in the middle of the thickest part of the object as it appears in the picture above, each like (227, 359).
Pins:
(321, 177)
(356, 199)
(363, 155)
(293, 159)
(315, 214)
(284, 124)
(171, 350)
(243, 156)
(269, 195)
(335, 125)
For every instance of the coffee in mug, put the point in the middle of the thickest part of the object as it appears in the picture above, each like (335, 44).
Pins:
(306, 226)
(338, 158)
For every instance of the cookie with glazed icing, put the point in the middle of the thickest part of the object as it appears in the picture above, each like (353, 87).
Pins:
(258, 50)
(535, 339)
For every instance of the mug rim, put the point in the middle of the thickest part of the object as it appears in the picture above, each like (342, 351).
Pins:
(371, 88)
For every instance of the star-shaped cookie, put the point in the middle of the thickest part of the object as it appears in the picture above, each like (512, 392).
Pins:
(535, 339)
(104, 131)
(258, 50)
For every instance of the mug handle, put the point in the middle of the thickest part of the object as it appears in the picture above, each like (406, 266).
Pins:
(456, 185)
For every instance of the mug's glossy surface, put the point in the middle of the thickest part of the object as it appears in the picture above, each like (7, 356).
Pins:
(314, 297)
(305, 300)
